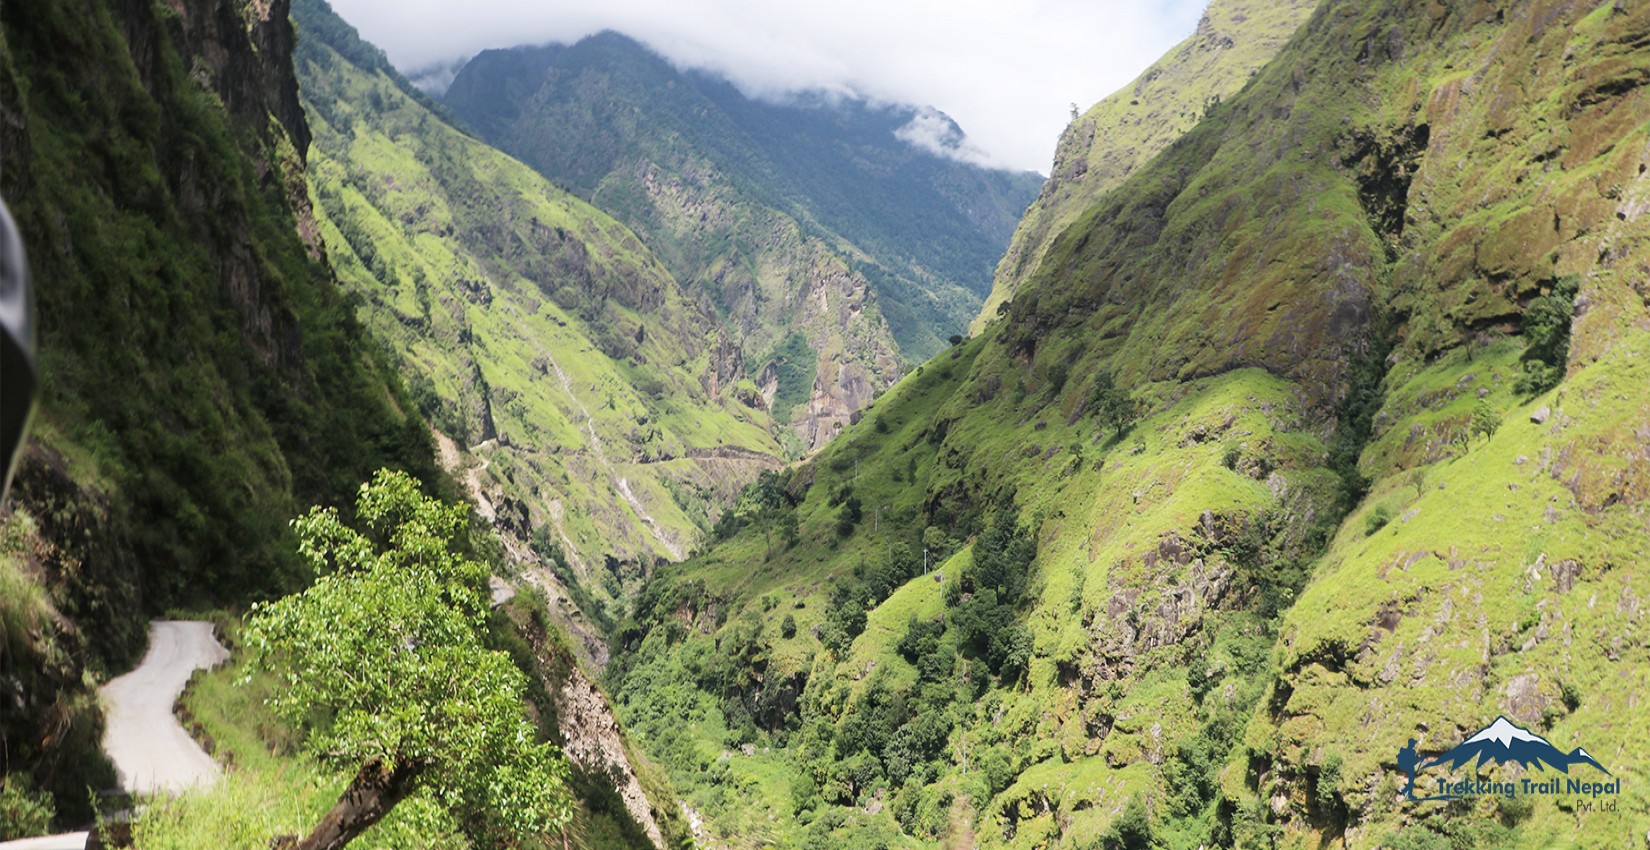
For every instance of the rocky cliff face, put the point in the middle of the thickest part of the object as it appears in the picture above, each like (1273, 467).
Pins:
(778, 280)
(202, 374)
(596, 746)
(243, 54)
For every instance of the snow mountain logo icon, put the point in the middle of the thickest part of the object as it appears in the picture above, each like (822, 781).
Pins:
(1498, 743)
(1504, 741)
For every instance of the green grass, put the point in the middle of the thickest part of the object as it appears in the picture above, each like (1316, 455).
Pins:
(1480, 552)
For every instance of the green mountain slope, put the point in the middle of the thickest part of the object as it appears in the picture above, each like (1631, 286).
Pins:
(1118, 135)
(203, 375)
(600, 416)
(1353, 508)
(810, 218)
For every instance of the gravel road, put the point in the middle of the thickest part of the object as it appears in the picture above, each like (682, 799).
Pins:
(150, 749)
(67, 841)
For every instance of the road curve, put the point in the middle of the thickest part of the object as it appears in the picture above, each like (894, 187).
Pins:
(151, 751)
(66, 841)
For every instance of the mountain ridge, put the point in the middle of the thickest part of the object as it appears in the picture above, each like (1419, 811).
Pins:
(1121, 133)
(791, 220)
(592, 409)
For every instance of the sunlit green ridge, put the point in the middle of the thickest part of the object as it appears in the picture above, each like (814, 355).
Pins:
(537, 333)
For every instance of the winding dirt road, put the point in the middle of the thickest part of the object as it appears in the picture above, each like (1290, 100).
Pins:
(151, 751)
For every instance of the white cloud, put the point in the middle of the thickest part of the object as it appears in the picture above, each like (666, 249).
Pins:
(1006, 70)
(935, 132)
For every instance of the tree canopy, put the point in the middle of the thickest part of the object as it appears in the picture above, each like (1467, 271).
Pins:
(383, 663)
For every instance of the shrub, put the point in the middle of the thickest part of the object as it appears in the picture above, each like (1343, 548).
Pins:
(1377, 520)
(1132, 830)
(1327, 789)
(1547, 326)
(24, 812)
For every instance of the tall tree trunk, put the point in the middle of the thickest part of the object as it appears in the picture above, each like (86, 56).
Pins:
(370, 795)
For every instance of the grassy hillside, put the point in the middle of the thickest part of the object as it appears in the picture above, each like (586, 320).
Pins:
(809, 217)
(1318, 433)
(1103, 146)
(601, 421)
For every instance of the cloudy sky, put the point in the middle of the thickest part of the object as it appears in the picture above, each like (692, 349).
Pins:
(1006, 70)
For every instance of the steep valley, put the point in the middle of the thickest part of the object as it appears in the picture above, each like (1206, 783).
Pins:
(603, 429)
(1305, 415)
(815, 232)
(1320, 431)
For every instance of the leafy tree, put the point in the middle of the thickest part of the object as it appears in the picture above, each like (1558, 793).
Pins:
(921, 638)
(938, 544)
(1355, 412)
(1057, 375)
(985, 620)
(1115, 407)
(1377, 520)
(844, 619)
(1547, 325)
(902, 563)
(852, 513)
(766, 506)
(382, 662)
(1485, 420)
(1002, 559)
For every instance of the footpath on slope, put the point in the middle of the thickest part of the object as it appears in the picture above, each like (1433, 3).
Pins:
(151, 751)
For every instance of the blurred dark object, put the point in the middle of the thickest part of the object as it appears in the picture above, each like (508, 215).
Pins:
(19, 382)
